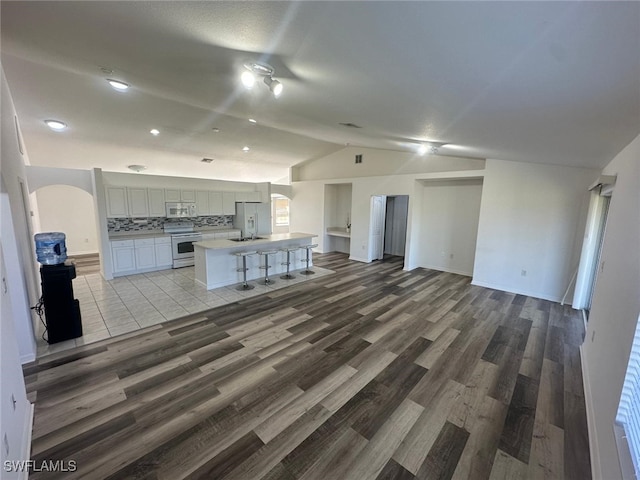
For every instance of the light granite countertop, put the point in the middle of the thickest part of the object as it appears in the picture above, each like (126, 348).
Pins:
(261, 242)
(141, 234)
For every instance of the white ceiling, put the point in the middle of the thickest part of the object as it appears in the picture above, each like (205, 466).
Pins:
(551, 82)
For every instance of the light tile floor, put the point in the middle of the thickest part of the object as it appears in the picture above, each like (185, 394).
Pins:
(125, 304)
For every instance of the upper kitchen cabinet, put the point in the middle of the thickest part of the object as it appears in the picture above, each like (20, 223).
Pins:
(116, 202)
(187, 195)
(228, 203)
(138, 205)
(156, 202)
(202, 203)
(175, 195)
(171, 195)
(215, 203)
(248, 197)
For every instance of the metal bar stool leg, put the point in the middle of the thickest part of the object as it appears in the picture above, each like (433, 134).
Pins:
(244, 285)
(267, 280)
(308, 248)
(288, 275)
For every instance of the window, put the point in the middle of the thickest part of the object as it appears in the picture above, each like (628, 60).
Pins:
(628, 416)
(282, 211)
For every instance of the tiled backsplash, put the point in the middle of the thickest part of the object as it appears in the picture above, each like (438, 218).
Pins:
(142, 224)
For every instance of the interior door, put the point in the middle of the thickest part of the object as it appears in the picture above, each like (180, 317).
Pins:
(376, 235)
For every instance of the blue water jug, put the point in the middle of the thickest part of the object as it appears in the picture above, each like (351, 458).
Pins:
(51, 248)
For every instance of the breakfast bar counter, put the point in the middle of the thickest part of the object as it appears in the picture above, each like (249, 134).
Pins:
(217, 266)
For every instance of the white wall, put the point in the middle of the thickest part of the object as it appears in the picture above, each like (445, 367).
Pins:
(531, 219)
(376, 162)
(18, 243)
(614, 312)
(15, 419)
(449, 225)
(69, 210)
(18, 271)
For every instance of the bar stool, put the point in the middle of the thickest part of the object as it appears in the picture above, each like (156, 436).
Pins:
(307, 259)
(244, 285)
(266, 267)
(289, 251)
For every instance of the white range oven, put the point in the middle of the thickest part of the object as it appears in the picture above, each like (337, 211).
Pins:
(182, 240)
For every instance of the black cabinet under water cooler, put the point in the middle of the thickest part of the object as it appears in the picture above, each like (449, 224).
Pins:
(62, 311)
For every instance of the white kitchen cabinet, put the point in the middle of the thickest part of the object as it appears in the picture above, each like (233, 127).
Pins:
(164, 255)
(202, 203)
(228, 203)
(175, 195)
(123, 255)
(145, 254)
(215, 203)
(172, 195)
(187, 195)
(156, 202)
(138, 204)
(116, 198)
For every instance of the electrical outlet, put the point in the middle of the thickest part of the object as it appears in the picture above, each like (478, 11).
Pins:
(593, 335)
(6, 445)
(523, 273)
(86, 240)
(13, 402)
(451, 255)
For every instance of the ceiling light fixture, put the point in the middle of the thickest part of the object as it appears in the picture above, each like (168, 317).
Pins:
(430, 147)
(155, 132)
(137, 168)
(56, 125)
(207, 160)
(118, 85)
(245, 149)
(253, 120)
(257, 70)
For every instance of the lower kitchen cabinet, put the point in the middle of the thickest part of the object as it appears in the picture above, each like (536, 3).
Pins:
(164, 254)
(141, 255)
(123, 255)
(145, 254)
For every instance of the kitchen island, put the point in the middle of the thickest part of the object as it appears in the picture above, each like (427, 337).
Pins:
(216, 266)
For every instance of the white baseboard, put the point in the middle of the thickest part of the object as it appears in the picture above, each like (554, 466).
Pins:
(509, 289)
(28, 358)
(358, 259)
(448, 270)
(27, 437)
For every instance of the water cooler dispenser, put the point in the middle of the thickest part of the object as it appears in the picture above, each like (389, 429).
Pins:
(62, 311)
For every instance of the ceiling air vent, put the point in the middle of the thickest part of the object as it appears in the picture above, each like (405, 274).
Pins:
(349, 124)
(359, 158)
(207, 160)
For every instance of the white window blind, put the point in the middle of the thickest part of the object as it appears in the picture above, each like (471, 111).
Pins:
(629, 409)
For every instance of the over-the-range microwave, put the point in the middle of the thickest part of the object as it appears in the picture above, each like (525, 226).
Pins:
(181, 209)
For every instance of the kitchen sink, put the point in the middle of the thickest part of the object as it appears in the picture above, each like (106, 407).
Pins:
(246, 239)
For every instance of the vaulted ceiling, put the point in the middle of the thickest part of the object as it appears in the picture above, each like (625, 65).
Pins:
(550, 82)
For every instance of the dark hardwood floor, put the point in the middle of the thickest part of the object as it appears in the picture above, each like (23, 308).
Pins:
(370, 373)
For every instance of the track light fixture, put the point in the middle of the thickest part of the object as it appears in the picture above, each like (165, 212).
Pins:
(257, 70)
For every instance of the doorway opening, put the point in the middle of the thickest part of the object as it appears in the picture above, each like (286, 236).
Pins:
(590, 259)
(388, 234)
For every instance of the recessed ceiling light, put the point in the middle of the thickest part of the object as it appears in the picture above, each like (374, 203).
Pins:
(155, 132)
(215, 130)
(137, 168)
(253, 120)
(118, 85)
(422, 150)
(245, 149)
(56, 125)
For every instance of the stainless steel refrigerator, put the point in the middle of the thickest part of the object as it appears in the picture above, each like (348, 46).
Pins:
(253, 218)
